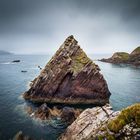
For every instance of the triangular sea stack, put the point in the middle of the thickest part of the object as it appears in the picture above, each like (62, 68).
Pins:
(70, 77)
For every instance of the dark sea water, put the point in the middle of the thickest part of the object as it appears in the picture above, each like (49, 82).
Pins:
(123, 82)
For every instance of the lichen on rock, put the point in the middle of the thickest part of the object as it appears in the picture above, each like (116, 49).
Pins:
(70, 77)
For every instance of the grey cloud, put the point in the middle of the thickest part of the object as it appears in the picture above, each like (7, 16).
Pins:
(38, 26)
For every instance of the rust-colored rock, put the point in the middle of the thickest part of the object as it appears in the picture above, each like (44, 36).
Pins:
(70, 77)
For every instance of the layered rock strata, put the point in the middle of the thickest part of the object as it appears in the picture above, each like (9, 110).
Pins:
(70, 77)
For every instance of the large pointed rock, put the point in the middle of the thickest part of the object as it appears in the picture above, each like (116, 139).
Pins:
(69, 77)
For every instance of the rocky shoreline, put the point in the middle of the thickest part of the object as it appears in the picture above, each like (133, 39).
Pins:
(100, 123)
(71, 78)
(125, 58)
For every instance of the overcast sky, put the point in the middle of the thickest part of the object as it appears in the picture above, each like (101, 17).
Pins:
(41, 26)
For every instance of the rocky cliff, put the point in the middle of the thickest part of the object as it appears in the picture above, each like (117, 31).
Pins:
(102, 123)
(126, 58)
(69, 77)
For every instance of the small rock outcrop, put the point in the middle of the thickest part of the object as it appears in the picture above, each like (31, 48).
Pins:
(125, 58)
(15, 61)
(66, 115)
(102, 123)
(70, 77)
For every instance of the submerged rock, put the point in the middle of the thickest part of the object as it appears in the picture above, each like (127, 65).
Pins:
(70, 77)
(21, 136)
(123, 57)
(102, 123)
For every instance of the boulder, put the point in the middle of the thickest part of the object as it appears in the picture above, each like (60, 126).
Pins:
(70, 77)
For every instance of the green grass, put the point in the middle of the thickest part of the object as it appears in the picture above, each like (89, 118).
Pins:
(79, 61)
(128, 115)
(121, 55)
(136, 51)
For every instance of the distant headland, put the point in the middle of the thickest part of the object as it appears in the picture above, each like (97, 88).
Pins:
(125, 58)
(2, 52)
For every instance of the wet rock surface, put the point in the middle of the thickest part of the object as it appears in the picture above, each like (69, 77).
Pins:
(70, 77)
(125, 58)
(65, 114)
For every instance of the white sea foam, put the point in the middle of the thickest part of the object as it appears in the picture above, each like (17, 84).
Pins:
(21, 108)
(7, 63)
(20, 97)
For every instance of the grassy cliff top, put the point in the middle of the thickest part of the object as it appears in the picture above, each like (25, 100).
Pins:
(127, 115)
(136, 51)
(120, 55)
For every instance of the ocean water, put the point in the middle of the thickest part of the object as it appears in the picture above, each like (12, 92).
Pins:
(123, 82)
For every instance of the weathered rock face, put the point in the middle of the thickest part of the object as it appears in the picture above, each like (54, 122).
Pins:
(69, 77)
(88, 123)
(123, 57)
(102, 123)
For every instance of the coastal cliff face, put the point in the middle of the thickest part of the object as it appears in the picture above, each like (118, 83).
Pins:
(134, 57)
(69, 77)
(126, 58)
(102, 123)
